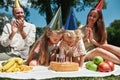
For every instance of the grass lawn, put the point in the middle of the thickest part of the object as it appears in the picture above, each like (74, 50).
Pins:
(89, 78)
(77, 78)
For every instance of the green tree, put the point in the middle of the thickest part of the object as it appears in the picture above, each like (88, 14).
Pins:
(39, 32)
(115, 24)
(114, 33)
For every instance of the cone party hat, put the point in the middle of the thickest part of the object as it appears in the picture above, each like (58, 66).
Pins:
(56, 22)
(99, 5)
(17, 4)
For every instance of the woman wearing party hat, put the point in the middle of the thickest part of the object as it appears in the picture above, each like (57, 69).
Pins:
(18, 35)
(95, 37)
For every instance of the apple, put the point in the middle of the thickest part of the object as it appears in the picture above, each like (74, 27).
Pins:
(111, 64)
(89, 63)
(104, 67)
(97, 59)
(91, 66)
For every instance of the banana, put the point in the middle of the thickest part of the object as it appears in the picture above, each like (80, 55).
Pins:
(1, 69)
(8, 65)
(22, 68)
(11, 69)
(25, 68)
(19, 61)
(16, 70)
(3, 63)
(30, 68)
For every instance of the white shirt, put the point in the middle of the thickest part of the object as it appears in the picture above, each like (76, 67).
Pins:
(18, 45)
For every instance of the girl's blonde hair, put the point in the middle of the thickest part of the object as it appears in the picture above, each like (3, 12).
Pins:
(70, 35)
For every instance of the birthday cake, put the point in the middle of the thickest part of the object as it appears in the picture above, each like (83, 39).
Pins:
(64, 66)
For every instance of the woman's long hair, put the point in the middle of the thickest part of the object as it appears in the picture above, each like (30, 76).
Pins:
(99, 27)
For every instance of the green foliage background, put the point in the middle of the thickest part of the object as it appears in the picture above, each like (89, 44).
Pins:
(114, 33)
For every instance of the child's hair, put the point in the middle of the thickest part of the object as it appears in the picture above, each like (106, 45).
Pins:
(70, 35)
(43, 50)
(79, 34)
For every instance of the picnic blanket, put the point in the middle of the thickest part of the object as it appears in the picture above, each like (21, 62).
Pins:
(42, 72)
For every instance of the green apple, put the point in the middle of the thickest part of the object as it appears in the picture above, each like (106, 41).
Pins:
(87, 65)
(90, 65)
(98, 59)
(93, 67)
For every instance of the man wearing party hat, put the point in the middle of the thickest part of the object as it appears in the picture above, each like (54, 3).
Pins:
(95, 37)
(17, 36)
